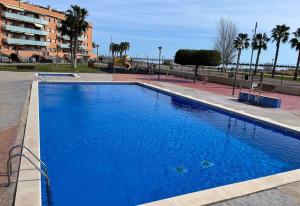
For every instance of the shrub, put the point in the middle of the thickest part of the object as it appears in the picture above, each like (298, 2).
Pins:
(198, 57)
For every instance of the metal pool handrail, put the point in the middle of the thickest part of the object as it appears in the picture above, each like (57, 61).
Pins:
(23, 146)
(21, 155)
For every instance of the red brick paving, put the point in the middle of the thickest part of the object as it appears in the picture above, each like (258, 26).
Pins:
(7, 139)
(289, 102)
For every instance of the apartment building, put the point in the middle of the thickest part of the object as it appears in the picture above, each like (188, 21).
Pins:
(31, 30)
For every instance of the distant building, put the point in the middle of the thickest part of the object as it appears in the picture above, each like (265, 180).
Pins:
(31, 31)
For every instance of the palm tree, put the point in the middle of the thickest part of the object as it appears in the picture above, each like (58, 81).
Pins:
(74, 26)
(122, 48)
(241, 42)
(114, 48)
(127, 46)
(295, 44)
(111, 48)
(259, 42)
(279, 34)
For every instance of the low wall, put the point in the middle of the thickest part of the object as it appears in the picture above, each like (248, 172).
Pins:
(287, 90)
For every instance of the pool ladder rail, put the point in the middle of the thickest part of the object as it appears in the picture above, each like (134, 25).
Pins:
(43, 170)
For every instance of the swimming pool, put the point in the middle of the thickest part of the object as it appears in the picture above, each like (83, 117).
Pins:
(128, 145)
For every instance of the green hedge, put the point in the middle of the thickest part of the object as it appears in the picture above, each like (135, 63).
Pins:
(198, 57)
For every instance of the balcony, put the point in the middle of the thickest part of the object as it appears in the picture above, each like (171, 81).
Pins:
(23, 18)
(83, 47)
(81, 38)
(64, 37)
(67, 46)
(64, 46)
(14, 41)
(18, 29)
(67, 38)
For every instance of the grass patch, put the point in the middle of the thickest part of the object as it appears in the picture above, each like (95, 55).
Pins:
(82, 68)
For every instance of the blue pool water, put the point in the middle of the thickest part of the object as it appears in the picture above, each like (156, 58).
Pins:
(114, 145)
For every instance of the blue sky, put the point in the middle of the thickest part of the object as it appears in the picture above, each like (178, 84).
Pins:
(175, 24)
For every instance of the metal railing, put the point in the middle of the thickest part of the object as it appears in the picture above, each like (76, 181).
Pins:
(24, 147)
(11, 157)
(43, 170)
(242, 75)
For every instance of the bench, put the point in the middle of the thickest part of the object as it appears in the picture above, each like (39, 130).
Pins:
(28, 67)
(263, 101)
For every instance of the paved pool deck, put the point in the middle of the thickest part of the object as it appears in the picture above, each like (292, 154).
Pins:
(14, 87)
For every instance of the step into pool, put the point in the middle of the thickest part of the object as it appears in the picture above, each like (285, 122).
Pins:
(53, 74)
(127, 144)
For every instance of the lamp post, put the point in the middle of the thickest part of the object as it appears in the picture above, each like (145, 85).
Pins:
(236, 69)
(252, 51)
(97, 46)
(159, 48)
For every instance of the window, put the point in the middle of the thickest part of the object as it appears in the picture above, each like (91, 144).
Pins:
(49, 30)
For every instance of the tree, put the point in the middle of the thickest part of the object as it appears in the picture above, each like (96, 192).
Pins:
(259, 42)
(122, 48)
(279, 34)
(295, 44)
(226, 33)
(74, 26)
(241, 42)
(197, 58)
(126, 46)
(112, 48)
(119, 48)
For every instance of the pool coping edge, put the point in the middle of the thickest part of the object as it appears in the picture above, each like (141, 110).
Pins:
(28, 192)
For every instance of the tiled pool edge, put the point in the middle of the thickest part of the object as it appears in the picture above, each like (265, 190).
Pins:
(29, 182)
(29, 193)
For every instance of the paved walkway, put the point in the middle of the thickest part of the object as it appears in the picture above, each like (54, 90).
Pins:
(14, 89)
